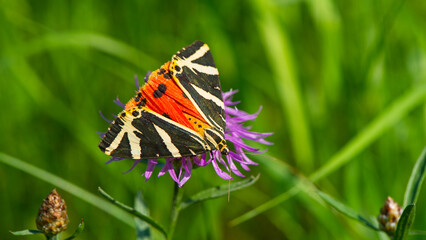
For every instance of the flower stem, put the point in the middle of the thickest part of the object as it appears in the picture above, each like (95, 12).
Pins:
(133, 211)
(177, 198)
(54, 237)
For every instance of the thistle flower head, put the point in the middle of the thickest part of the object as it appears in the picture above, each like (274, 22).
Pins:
(52, 216)
(389, 216)
(180, 169)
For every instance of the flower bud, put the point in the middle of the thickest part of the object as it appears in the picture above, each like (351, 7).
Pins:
(52, 216)
(389, 216)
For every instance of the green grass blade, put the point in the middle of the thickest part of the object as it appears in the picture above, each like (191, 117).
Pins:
(218, 191)
(347, 211)
(280, 56)
(143, 231)
(26, 232)
(371, 132)
(89, 40)
(266, 206)
(328, 23)
(77, 232)
(383, 36)
(416, 180)
(68, 187)
(134, 212)
(417, 232)
(404, 223)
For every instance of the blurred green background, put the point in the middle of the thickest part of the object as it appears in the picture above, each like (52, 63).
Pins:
(342, 84)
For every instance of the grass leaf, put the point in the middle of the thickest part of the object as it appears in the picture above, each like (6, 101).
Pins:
(218, 191)
(134, 212)
(395, 112)
(405, 222)
(26, 232)
(143, 231)
(77, 232)
(68, 187)
(279, 52)
(347, 211)
(416, 180)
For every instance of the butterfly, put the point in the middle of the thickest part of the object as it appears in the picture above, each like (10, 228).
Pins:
(179, 112)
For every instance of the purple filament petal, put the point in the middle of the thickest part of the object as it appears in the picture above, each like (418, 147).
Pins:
(119, 103)
(137, 82)
(220, 172)
(150, 168)
(187, 166)
(114, 159)
(146, 78)
(106, 119)
(133, 166)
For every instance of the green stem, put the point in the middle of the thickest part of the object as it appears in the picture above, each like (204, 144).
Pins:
(54, 237)
(133, 212)
(177, 198)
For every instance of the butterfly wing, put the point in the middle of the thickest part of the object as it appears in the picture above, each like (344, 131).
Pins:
(194, 70)
(142, 134)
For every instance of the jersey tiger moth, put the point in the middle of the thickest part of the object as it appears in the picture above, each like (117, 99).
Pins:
(179, 112)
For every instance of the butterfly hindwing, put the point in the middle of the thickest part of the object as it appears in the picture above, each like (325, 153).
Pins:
(142, 134)
(157, 123)
(194, 70)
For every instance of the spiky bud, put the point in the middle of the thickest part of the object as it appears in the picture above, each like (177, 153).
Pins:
(389, 216)
(52, 216)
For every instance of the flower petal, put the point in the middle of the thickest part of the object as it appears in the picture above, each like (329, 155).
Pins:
(133, 166)
(150, 168)
(188, 168)
(119, 103)
(202, 161)
(137, 82)
(171, 170)
(219, 171)
(234, 168)
(114, 159)
(146, 78)
(102, 116)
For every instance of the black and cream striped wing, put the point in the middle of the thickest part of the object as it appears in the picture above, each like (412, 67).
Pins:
(143, 134)
(195, 72)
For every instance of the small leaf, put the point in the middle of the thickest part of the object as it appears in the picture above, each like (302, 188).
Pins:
(405, 222)
(143, 231)
(417, 232)
(26, 232)
(416, 180)
(349, 212)
(218, 191)
(77, 232)
(134, 212)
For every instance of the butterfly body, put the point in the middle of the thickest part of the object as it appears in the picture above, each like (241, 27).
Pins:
(179, 112)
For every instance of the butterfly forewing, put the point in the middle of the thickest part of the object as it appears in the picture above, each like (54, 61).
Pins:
(194, 70)
(178, 117)
(150, 135)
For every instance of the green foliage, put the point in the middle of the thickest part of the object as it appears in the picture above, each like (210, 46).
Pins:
(219, 191)
(416, 180)
(342, 85)
(349, 212)
(405, 222)
(27, 232)
(143, 231)
(142, 216)
(77, 232)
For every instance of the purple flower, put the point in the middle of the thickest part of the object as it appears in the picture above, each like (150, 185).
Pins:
(180, 168)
